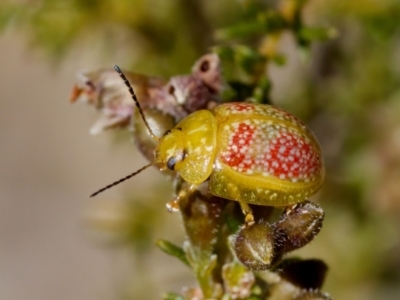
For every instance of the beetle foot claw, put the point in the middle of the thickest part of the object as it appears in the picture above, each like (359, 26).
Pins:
(249, 219)
(248, 212)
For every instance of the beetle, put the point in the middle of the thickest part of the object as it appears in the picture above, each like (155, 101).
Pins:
(251, 153)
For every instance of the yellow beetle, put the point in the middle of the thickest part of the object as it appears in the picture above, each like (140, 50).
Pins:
(250, 153)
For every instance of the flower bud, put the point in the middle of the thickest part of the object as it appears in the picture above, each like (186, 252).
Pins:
(182, 95)
(201, 214)
(208, 69)
(105, 90)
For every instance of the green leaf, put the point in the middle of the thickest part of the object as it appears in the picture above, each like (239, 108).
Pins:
(310, 34)
(173, 250)
(265, 22)
(261, 92)
(172, 296)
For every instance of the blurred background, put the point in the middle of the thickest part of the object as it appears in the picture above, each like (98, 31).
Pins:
(55, 243)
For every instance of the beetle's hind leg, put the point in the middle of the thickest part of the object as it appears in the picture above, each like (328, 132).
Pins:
(248, 212)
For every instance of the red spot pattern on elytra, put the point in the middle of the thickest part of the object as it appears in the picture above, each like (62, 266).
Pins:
(238, 145)
(240, 107)
(256, 147)
(292, 157)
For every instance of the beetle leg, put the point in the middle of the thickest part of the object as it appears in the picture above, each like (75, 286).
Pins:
(173, 205)
(248, 212)
(290, 208)
(192, 188)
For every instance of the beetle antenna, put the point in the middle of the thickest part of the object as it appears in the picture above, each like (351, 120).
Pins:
(120, 180)
(127, 83)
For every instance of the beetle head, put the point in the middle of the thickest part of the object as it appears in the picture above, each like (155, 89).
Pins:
(170, 151)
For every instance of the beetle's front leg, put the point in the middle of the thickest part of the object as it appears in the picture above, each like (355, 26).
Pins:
(248, 212)
(173, 205)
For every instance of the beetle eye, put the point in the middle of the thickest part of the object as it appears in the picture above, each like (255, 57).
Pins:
(171, 163)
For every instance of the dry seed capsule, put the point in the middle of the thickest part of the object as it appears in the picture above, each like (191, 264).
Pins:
(258, 247)
(300, 223)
